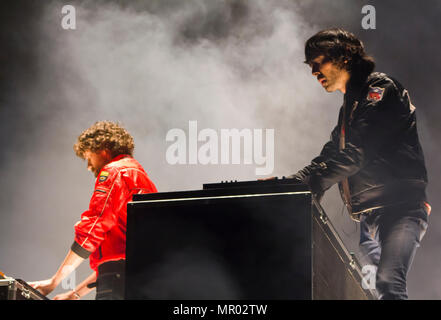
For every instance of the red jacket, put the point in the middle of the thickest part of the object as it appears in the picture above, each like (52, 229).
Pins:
(101, 233)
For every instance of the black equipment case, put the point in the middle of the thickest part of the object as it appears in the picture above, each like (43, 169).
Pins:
(17, 289)
(241, 240)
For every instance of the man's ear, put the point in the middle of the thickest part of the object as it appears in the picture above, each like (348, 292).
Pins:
(106, 154)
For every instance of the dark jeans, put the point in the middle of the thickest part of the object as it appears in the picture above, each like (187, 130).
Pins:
(110, 281)
(388, 240)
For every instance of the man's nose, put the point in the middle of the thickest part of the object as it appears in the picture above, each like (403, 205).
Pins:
(315, 70)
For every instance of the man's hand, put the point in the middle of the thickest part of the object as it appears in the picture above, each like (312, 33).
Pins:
(69, 295)
(45, 286)
(265, 179)
(69, 264)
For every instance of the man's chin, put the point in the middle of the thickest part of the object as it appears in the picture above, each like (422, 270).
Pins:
(329, 89)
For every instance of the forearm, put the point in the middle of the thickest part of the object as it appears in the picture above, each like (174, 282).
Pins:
(345, 164)
(70, 263)
(82, 288)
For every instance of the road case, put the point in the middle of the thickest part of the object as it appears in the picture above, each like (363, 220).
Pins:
(17, 289)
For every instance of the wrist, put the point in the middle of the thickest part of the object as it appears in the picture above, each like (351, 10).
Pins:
(53, 282)
(76, 295)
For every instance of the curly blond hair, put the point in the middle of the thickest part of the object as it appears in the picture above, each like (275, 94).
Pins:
(105, 135)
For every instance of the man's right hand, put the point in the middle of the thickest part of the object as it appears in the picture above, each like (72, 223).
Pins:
(45, 286)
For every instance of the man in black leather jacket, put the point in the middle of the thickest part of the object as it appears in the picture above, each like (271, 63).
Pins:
(374, 155)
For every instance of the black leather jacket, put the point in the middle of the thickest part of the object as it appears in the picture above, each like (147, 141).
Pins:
(382, 157)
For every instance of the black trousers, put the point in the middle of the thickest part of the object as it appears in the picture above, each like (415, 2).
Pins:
(110, 282)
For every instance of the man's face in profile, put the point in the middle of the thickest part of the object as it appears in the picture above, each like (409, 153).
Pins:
(96, 160)
(330, 76)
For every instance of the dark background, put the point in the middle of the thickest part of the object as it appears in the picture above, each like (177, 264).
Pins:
(224, 63)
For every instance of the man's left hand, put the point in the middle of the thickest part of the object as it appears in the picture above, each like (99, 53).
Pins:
(69, 295)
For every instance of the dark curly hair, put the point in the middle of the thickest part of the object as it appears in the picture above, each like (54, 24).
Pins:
(343, 48)
(105, 135)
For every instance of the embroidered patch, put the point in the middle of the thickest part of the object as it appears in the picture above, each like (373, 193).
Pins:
(375, 94)
(103, 176)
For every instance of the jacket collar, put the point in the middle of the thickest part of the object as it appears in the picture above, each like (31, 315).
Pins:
(119, 157)
(355, 88)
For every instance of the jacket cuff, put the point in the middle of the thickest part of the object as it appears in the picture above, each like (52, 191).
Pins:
(79, 250)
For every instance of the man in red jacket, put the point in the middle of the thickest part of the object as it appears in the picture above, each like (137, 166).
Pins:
(100, 235)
